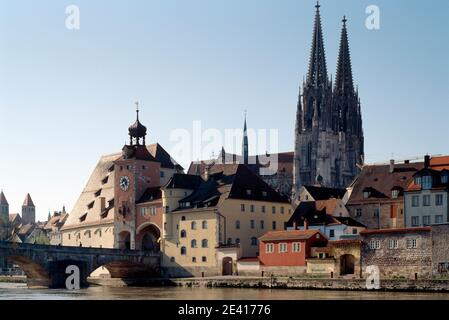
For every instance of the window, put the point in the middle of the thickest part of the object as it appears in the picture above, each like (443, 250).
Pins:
(394, 193)
(237, 224)
(412, 243)
(415, 201)
(439, 219)
(392, 244)
(229, 242)
(269, 248)
(282, 247)
(262, 224)
(98, 193)
(162, 174)
(331, 233)
(374, 244)
(263, 209)
(358, 212)
(254, 241)
(427, 182)
(193, 243)
(204, 259)
(415, 221)
(282, 210)
(248, 192)
(426, 200)
(194, 259)
(183, 218)
(183, 251)
(438, 199)
(193, 225)
(273, 225)
(354, 231)
(251, 208)
(426, 220)
(143, 212)
(172, 259)
(183, 234)
(204, 243)
(264, 193)
(366, 194)
(237, 240)
(252, 224)
(273, 210)
(153, 211)
(167, 209)
(296, 246)
(445, 177)
(376, 212)
(204, 224)
(242, 207)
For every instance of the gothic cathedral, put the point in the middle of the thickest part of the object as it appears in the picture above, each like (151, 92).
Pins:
(328, 131)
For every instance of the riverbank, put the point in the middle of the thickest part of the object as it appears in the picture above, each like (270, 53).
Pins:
(13, 279)
(282, 283)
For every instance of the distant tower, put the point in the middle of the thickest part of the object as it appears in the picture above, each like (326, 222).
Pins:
(28, 210)
(245, 151)
(328, 131)
(4, 208)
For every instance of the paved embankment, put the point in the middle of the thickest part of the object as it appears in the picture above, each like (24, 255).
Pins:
(282, 283)
(13, 279)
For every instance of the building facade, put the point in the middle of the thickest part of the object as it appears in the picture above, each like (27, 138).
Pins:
(426, 198)
(328, 134)
(120, 207)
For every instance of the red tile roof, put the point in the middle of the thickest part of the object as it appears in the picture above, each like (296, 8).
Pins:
(439, 163)
(290, 235)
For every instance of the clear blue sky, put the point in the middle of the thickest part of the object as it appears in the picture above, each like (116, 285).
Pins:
(66, 97)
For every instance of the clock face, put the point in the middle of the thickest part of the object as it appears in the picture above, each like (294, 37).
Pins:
(124, 183)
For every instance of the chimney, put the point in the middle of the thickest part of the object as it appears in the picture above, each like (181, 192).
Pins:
(102, 204)
(306, 224)
(391, 166)
(427, 161)
(407, 161)
(295, 225)
(206, 173)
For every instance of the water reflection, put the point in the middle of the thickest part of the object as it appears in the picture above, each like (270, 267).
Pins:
(10, 291)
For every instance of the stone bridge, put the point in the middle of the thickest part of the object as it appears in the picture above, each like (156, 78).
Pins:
(45, 266)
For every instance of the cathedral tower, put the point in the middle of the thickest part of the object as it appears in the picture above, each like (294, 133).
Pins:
(328, 131)
(4, 209)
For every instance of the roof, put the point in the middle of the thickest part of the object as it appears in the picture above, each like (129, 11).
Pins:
(307, 210)
(56, 221)
(380, 182)
(398, 230)
(3, 199)
(103, 177)
(28, 202)
(15, 216)
(290, 235)
(349, 222)
(26, 229)
(151, 194)
(184, 181)
(284, 159)
(439, 163)
(230, 181)
(323, 193)
(329, 205)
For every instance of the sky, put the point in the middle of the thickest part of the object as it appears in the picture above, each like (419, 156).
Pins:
(67, 96)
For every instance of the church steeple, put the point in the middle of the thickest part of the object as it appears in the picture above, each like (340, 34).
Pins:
(245, 143)
(317, 64)
(343, 81)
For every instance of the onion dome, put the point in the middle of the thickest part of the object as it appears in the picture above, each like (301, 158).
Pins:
(137, 130)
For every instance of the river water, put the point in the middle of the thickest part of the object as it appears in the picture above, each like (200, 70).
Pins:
(14, 291)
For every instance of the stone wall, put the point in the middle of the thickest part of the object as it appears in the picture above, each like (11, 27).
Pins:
(401, 262)
(440, 250)
(283, 271)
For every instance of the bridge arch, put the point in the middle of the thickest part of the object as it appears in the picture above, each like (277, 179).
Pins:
(147, 239)
(36, 274)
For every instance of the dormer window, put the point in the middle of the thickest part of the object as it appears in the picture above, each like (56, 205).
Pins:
(395, 193)
(90, 205)
(426, 182)
(264, 193)
(248, 192)
(366, 194)
(445, 177)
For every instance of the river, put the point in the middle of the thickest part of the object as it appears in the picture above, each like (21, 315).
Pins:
(18, 291)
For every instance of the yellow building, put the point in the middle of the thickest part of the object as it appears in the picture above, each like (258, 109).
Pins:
(212, 221)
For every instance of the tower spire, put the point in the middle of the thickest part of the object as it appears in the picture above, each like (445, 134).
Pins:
(343, 79)
(245, 143)
(317, 64)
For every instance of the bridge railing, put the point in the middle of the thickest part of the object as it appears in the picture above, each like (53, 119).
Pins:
(87, 250)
